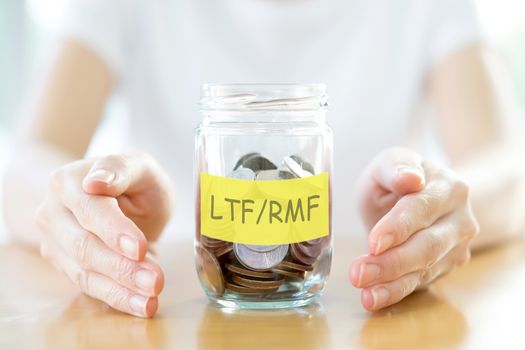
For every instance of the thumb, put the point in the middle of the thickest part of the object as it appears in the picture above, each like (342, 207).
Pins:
(400, 171)
(116, 174)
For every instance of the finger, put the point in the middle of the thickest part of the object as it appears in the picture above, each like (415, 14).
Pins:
(103, 288)
(419, 252)
(100, 215)
(374, 203)
(386, 294)
(116, 174)
(383, 295)
(414, 212)
(399, 170)
(392, 174)
(92, 254)
(458, 256)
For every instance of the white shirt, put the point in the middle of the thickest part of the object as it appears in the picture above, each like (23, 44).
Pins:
(372, 54)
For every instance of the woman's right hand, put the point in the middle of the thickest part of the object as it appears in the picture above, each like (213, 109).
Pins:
(96, 222)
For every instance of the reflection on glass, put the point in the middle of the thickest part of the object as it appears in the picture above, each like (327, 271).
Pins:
(264, 329)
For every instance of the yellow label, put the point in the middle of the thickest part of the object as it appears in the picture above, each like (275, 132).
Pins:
(264, 212)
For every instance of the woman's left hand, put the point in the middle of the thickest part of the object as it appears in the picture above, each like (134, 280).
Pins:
(421, 226)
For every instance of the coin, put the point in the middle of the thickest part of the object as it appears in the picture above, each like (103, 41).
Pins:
(304, 164)
(245, 290)
(289, 274)
(223, 251)
(250, 273)
(295, 266)
(267, 175)
(260, 261)
(261, 248)
(212, 242)
(258, 163)
(298, 255)
(295, 168)
(243, 159)
(313, 250)
(258, 284)
(210, 271)
(313, 241)
(286, 175)
(242, 174)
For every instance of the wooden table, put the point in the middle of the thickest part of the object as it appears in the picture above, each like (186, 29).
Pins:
(479, 306)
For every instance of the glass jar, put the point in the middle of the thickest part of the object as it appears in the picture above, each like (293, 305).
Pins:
(263, 164)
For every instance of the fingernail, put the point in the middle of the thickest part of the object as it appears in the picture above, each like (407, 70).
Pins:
(145, 280)
(384, 242)
(101, 175)
(414, 170)
(128, 246)
(137, 304)
(380, 295)
(368, 273)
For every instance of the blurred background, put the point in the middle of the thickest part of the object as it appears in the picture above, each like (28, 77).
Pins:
(27, 44)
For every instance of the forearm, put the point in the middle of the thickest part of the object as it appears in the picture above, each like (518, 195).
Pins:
(25, 186)
(496, 178)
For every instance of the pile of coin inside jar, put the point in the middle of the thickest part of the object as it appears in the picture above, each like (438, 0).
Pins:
(259, 269)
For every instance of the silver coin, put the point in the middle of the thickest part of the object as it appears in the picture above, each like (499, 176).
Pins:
(286, 175)
(266, 175)
(304, 164)
(295, 168)
(257, 162)
(261, 248)
(259, 261)
(241, 160)
(242, 174)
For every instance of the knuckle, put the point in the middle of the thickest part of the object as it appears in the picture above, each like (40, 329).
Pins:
(41, 218)
(87, 208)
(116, 295)
(82, 280)
(81, 247)
(426, 205)
(124, 269)
(423, 201)
(464, 258)
(434, 248)
(424, 277)
(44, 250)
(471, 227)
(114, 161)
(85, 205)
(404, 224)
(461, 190)
(395, 264)
(408, 285)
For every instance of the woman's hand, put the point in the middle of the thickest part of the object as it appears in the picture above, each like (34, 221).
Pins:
(421, 226)
(96, 223)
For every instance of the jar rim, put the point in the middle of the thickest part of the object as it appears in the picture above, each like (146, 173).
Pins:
(263, 96)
